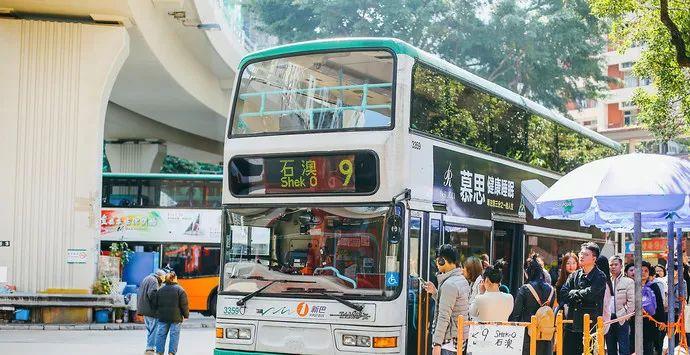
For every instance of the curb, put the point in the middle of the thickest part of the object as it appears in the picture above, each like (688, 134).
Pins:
(95, 326)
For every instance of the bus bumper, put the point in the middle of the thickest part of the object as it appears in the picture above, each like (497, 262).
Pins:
(237, 352)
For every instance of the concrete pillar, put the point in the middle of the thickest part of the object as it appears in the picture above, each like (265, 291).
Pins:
(135, 157)
(56, 78)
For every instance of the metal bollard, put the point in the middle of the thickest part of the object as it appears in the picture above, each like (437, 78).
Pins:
(559, 333)
(587, 337)
(533, 339)
(600, 335)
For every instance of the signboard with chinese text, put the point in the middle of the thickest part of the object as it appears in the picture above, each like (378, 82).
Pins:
(475, 187)
(77, 256)
(334, 173)
(161, 225)
(337, 173)
(495, 339)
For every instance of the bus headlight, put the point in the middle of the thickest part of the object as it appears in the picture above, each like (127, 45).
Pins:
(232, 333)
(245, 333)
(350, 340)
(357, 340)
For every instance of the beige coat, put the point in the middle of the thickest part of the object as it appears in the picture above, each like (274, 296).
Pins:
(454, 301)
(625, 295)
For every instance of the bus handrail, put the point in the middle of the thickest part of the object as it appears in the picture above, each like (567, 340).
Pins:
(308, 90)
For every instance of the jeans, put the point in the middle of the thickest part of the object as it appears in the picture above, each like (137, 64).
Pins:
(151, 324)
(572, 341)
(163, 329)
(618, 339)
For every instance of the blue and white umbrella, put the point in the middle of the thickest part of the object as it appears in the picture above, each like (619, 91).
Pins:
(625, 193)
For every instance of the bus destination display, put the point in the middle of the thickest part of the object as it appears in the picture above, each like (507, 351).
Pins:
(333, 173)
(339, 173)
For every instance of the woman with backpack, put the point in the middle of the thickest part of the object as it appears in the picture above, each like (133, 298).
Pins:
(493, 305)
(536, 297)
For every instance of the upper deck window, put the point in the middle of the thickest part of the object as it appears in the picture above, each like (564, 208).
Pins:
(315, 93)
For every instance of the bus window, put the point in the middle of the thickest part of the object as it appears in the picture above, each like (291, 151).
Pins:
(192, 260)
(315, 92)
(337, 249)
(123, 193)
(212, 194)
(149, 193)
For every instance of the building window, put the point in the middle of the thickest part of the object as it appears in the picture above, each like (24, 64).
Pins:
(630, 80)
(626, 65)
(645, 81)
(630, 117)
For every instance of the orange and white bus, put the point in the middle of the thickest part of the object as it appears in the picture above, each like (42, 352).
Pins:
(175, 218)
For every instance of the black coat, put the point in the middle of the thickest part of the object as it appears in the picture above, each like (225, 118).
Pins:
(171, 304)
(146, 295)
(587, 296)
(526, 306)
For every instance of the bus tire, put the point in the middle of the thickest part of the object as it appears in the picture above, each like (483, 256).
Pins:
(211, 309)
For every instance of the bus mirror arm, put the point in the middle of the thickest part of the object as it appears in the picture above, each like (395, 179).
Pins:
(405, 194)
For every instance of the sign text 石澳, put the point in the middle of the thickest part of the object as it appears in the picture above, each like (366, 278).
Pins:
(495, 339)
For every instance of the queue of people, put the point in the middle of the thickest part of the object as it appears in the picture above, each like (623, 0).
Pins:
(164, 305)
(587, 283)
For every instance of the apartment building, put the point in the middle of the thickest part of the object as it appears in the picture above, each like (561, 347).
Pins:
(615, 116)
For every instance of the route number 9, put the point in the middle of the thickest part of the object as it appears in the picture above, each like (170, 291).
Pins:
(346, 169)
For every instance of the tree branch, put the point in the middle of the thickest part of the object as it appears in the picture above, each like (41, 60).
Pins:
(676, 37)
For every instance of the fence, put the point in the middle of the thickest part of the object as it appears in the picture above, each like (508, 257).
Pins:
(591, 341)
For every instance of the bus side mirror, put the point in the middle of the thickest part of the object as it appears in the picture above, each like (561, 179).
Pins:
(394, 229)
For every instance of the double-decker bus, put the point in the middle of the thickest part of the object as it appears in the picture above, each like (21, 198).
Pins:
(348, 162)
(175, 218)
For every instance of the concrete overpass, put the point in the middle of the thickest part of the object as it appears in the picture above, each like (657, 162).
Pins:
(150, 77)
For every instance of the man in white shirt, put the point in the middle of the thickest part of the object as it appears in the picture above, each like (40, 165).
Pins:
(618, 337)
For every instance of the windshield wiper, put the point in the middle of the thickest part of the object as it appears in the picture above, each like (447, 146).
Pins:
(241, 302)
(246, 298)
(323, 292)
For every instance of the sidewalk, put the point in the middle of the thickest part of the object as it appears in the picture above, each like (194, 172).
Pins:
(195, 321)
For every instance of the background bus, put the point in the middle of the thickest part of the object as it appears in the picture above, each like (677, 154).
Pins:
(177, 217)
(349, 161)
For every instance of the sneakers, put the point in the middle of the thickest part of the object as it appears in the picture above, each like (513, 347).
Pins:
(150, 352)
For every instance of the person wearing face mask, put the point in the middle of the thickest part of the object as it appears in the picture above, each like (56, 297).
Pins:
(452, 300)
(584, 294)
(651, 303)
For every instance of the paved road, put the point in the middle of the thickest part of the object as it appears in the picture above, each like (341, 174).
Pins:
(116, 342)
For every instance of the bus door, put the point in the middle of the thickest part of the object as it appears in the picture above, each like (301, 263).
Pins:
(425, 237)
(509, 245)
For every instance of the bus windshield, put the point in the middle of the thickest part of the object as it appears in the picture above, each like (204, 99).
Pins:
(315, 92)
(342, 251)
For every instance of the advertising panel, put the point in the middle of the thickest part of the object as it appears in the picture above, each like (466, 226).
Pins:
(161, 225)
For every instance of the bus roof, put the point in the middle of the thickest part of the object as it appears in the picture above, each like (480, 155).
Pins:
(206, 177)
(401, 47)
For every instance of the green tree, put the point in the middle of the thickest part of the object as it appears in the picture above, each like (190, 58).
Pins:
(662, 27)
(177, 165)
(543, 49)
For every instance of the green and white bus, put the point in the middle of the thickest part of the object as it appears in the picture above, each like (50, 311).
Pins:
(348, 162)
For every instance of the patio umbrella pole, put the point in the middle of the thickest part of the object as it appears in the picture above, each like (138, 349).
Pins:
(670, 263)
(681, 269)
(637, 236)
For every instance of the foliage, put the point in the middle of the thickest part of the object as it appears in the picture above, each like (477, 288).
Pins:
(121, 250)
(176, 165)
(539, 48)
(450, 109)
(102, 286)
(662, 28)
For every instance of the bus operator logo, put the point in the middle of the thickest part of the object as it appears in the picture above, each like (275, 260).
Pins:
(302, 309)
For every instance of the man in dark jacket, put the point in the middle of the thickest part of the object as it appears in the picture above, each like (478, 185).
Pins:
(584, 294)
(172, 308)
(147, 290)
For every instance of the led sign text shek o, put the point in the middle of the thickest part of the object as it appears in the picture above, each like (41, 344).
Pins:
(335, 173)
(321, 173)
